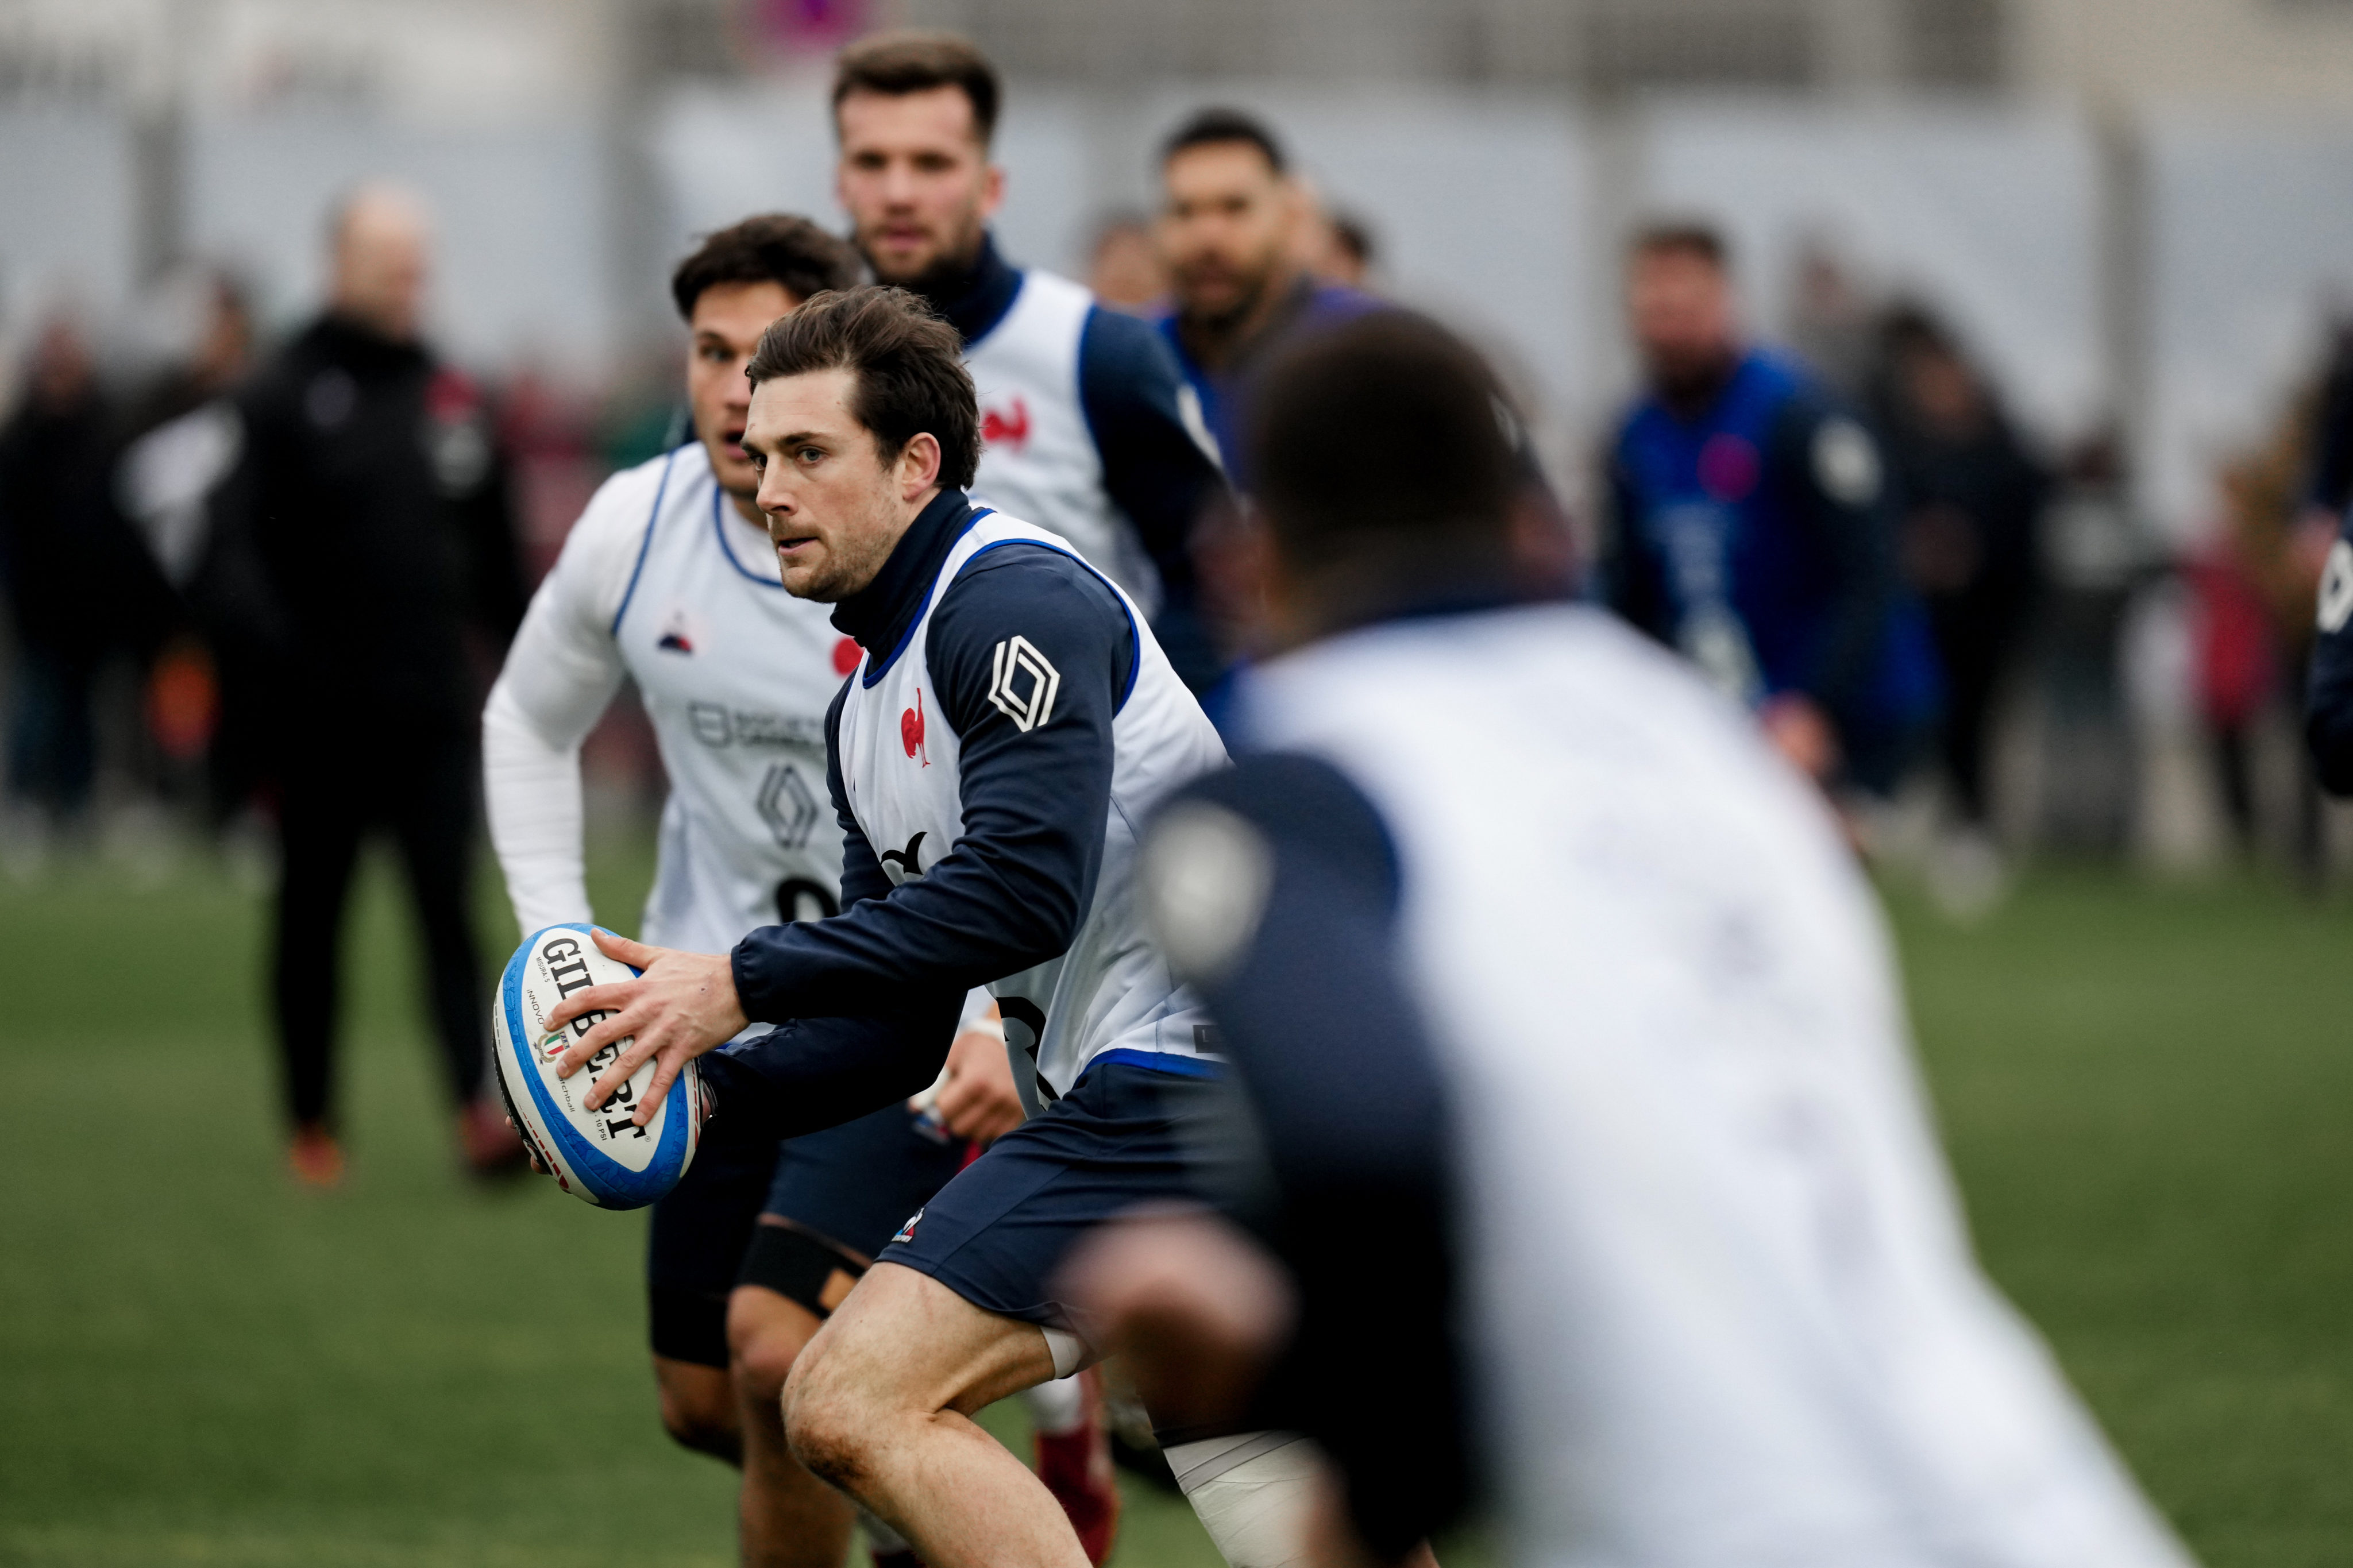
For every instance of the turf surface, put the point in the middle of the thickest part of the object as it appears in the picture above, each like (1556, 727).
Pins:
(2142, 1089)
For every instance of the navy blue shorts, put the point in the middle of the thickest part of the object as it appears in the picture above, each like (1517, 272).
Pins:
(851, 1184)
(1124, 1135)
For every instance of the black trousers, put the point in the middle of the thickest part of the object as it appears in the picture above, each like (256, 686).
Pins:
(423, 793)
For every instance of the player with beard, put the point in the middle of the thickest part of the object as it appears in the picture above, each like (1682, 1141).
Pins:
(1089, 428)
(668, 579)
(1231, 219)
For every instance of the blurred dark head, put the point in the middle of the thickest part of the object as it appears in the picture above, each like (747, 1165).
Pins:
(907, 366)
(782, 249)
(1933, 386)
(1679, 302)
(1228, 218)
(1385, 469)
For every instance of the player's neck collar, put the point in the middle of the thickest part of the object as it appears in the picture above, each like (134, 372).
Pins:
(976, 299)
(880, 614)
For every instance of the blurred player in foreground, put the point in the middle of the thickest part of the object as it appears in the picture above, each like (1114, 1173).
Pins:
(1590, 1112)
(1086, 423)
(1011, 717)
(668, 579)
(1752, 528)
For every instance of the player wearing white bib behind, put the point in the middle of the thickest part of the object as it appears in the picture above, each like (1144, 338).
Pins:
(1088, 427)
(664, 580)
(1573, 1031)
(1010, 719)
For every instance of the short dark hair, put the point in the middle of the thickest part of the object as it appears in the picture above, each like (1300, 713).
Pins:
(909, 60)
(1690, 236)
(1220, 127)
(774, 247)
(1331, 416)
(1355, 236)
(907, 362)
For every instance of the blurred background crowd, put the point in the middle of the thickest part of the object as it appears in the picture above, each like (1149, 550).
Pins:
(2085, 266)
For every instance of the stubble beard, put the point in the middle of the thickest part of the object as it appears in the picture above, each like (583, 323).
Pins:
(853, 557)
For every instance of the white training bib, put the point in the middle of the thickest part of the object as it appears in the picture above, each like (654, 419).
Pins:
(1111, 992)
(1038, 456)
(736, 675)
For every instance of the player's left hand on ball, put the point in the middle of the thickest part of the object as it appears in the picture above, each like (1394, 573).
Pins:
(680, 1006)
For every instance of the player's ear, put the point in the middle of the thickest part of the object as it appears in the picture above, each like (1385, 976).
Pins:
(919, 464)
(992, 193)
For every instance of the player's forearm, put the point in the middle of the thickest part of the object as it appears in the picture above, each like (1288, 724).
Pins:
(531, 792)
(820, 1073)
(976, 917)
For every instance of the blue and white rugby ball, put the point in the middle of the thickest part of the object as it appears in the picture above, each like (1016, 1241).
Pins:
(601, 1156)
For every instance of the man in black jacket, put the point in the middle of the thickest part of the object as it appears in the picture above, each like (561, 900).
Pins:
(369, 524)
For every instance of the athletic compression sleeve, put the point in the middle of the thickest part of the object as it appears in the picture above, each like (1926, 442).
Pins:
(1303, 978)
(561, 671)
(1159, 468)
(1012, 892)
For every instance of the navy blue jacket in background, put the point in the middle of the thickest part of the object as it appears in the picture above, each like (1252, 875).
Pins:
(1757, 537)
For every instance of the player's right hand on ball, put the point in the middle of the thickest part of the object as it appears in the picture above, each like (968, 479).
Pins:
(680, 1006)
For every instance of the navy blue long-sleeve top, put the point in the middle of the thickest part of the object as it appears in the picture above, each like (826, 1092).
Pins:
(867, 1001)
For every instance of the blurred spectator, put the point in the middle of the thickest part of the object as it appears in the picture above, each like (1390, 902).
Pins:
(180, 438)
(78, 584)
(2329, 484)
(1973, 498)
(1349, 253)
(2255, 589)
(1124, 266)
(1752, 528)
(369, 530)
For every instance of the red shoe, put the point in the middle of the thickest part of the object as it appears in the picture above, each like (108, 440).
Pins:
(1076, 1468)
(492, 1148)
(314, 1157)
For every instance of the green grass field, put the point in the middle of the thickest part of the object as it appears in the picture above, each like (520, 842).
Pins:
(2144, 1088)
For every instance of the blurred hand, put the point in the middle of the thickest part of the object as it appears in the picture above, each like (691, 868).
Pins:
(681, 1005)
(1801, 733)
(1197, 1309)
(978, 1101)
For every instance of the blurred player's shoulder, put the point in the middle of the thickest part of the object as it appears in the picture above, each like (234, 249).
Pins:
(604, 545)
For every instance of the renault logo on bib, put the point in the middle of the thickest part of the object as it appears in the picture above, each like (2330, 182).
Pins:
(1022, 684)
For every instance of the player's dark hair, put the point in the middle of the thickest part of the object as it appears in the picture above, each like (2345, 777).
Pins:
(1687, 237)
(1355, 237)
(907, 362)
(1384, 440)
(910, 61)
(774, 247)
(1224, 127)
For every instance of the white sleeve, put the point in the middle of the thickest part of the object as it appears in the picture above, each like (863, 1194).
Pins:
(561, 672)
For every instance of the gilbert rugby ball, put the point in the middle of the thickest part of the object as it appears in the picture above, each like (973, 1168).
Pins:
(601, 1156)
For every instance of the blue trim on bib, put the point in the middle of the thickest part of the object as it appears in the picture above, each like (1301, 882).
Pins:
(1154, 1061)
(875, 672)
(646, 544)
(614, 1186)
(719, 526)
(1134, 634)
